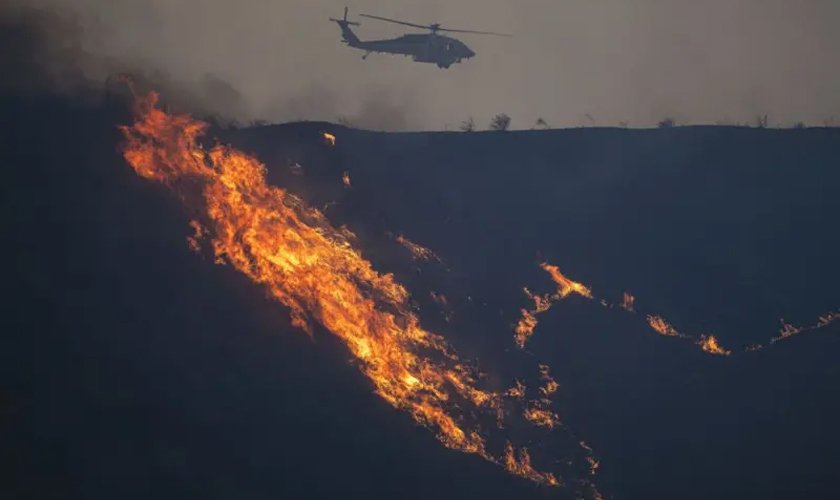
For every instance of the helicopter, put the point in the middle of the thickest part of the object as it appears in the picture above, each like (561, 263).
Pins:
(425, 48)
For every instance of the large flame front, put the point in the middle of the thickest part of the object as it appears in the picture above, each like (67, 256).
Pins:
(274, 239)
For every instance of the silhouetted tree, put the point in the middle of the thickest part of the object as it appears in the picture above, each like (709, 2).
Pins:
(467, 125)
(541, 123)
(500, 122)
(798, 125)
(761, 121)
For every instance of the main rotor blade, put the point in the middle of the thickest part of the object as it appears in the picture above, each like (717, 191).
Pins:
(434, 27)
(474, 32)
(423, 26)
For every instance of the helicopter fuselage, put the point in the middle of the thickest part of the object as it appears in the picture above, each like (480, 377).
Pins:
(427, 48)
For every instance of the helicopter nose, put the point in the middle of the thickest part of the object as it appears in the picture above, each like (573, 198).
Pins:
(470, 53)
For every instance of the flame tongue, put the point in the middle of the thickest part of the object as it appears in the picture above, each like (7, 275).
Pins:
(524, 328)
(275, 240)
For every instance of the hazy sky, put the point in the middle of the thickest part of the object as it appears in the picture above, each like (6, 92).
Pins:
(614, 60)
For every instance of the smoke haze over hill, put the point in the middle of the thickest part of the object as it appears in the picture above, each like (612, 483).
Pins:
(571, 63)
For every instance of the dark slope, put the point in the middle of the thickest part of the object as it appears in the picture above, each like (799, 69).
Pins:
(133, 369)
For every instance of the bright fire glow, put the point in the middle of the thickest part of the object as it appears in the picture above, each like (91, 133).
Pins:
(662, 327)
(565, 286)
(527, 322)
(524, 328)
(540, 416)
(304, 263)
(710, 344)
(329, 138)
(345, 179)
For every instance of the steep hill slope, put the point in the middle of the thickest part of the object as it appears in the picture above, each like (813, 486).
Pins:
(135, 368)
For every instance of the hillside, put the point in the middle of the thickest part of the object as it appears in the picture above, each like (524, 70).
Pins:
(136, 368)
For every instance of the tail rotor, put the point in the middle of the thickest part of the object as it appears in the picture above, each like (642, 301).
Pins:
(343, 21)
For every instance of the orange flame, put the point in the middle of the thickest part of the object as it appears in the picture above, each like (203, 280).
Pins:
(551, 385)
(662, 327)
(710, 344)
(527, 322)
(565, 286)
(524, 328)
(537, 411)
(304, 263)
(345, 179)
(329, 138)
(787, 330)
(542, 303)
(539, 416)
(517, 391)
(522, 467)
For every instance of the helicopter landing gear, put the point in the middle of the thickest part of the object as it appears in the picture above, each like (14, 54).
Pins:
(443, 65)
(364, 57)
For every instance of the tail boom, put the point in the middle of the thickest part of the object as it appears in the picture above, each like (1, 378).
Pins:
(347, 34)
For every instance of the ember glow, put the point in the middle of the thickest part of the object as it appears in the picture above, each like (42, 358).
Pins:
(550, 385)
(521, 466)
(524, 328)
(328, 138)
(304, 263)
(418, 252)
(345, 179)
(517, 391)
(629, 302)
(538, 411)
(787, 330)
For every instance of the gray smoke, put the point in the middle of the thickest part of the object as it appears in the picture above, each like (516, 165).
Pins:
(571, 63)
